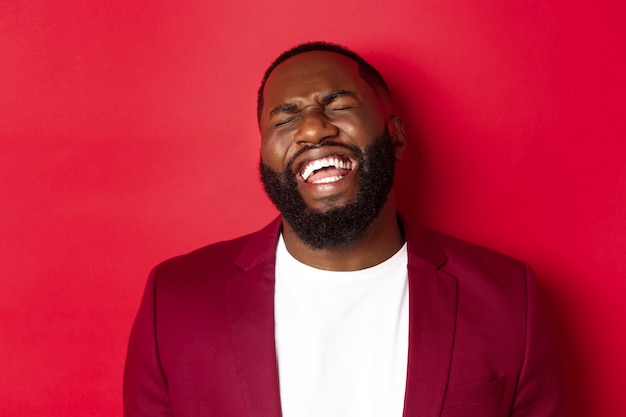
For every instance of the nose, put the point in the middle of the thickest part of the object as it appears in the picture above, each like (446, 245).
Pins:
(314, 127)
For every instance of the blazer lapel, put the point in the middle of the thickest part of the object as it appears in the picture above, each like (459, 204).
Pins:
(432, 316)
(251, 315)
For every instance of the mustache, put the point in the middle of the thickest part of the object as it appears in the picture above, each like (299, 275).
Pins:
(357, 152)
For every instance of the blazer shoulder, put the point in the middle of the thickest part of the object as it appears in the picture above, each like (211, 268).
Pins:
(220, 258)
(473, 260)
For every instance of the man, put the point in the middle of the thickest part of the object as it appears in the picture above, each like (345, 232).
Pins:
(339, 307)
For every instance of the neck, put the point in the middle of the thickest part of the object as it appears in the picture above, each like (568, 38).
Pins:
(380, 242)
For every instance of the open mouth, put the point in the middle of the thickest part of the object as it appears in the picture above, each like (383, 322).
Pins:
(325, 170)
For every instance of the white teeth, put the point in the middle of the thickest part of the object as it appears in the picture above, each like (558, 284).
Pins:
(331, 161)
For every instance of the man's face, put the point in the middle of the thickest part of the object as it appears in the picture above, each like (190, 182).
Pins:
(325, 144)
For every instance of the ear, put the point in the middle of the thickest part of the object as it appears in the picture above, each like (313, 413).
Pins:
(396, 130)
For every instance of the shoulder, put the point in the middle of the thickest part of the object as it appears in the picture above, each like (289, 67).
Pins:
(219, 259)
(455, 255)
(493, 286)
(477, 269)
(466, 256)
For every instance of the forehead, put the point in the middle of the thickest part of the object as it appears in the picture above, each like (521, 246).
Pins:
(311, 72)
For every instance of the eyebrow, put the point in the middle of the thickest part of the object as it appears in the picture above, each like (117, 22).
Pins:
(284, 108)
(329, 98)
(324, 101)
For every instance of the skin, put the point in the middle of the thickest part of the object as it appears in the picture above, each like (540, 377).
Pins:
(312, 99)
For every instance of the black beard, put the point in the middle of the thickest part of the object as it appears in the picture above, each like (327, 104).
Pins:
(338, 226)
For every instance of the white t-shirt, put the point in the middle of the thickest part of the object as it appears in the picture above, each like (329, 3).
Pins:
(341, 338)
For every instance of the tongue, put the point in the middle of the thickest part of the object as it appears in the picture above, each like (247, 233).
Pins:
(326, 173)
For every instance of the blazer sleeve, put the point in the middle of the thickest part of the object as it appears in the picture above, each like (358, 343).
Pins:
(539, 390)
(145, 386)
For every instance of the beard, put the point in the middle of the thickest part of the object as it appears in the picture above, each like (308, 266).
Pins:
(337, 226)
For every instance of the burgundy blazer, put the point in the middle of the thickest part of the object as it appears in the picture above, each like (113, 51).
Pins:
(203, 340)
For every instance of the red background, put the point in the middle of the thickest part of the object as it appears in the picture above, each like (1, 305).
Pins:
(128, 135)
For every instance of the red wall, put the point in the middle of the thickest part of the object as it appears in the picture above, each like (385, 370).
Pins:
(128, 135)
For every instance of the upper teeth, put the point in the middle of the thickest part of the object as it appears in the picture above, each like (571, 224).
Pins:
(330, 161)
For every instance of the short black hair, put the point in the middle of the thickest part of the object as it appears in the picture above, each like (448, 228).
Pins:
(369, 74)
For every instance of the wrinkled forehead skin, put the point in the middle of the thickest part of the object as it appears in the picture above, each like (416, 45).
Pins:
(307, 74)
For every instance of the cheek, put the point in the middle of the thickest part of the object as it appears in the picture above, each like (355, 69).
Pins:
(362, 128)
(274, 152)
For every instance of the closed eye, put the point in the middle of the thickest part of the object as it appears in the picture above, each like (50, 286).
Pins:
(283, 113)
(340, 107)
(340, 100)
(283, 121)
